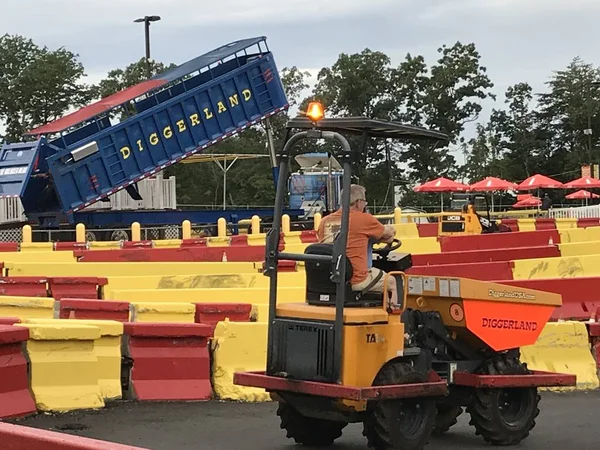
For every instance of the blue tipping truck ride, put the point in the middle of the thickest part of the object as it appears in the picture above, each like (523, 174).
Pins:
(82, 158)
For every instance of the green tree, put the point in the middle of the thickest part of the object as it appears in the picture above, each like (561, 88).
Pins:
(444, 97)
(37, 85)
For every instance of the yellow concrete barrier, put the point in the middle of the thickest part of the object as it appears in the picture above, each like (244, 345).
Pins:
(110, 269)
(215, 241)
(260, 312)
(144, 311)
(406, 230)
(579, 248)
(526, 224)
(257, 239)
(564, 347)
(293, 237)
(215, 295)
(573, 235)
(563, 267)
(107, 350)
(27, 307)
(565, 223)
(37, 256)
(233, 280)
(238, 346)
(103, 245)
(167, 243)
(36, 246)
(64, 367)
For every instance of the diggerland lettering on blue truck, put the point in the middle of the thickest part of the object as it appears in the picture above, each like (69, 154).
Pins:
(167, 132)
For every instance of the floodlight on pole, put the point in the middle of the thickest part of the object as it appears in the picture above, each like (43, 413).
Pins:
(146, 20)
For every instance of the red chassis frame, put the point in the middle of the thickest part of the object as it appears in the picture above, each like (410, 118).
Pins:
(434, 387)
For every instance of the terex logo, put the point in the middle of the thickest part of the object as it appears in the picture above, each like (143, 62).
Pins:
(374, 338)
(505, 324)
(307, 328)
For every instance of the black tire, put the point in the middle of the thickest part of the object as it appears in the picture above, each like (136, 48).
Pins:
(504, 416)
(446, 418)
(308, 431)
(399, 424)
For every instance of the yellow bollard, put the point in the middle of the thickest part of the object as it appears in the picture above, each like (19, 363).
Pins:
(222, 227)
(136, 232)
(285, 223)
(397, 215)
(186, 229)
(255, 225)
(80, 233)
(317, 220)
(27, 234)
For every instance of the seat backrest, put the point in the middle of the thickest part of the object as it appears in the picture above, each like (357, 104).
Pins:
(319, 286)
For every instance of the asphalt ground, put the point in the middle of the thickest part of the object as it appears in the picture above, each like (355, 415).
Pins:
(567, 420)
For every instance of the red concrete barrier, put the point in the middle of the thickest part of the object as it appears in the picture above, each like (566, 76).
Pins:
(75, 287)
(213, 313)
(169, 361)
(24, 286)
(427, 229)
(500, 254)
(238, 239)
(62, 246)
(308, 236)
(545, 224)
(74, 308)
(475, 271)
(238, 253)
(581, 296)
(9, 320)
(15, 397)
(16, 437)
(513, 224)
(137, 244)
(499, 240)
(585, 223)
(9, 247)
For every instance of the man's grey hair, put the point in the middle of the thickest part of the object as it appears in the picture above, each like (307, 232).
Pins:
(356, 193)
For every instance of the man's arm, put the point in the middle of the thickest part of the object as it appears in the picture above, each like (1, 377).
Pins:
(389, 232)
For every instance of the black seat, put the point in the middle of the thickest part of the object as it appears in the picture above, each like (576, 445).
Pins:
(320, 290)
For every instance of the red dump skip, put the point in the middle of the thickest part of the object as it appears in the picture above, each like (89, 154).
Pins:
(476, 271)
(499, 240)
(501, 254)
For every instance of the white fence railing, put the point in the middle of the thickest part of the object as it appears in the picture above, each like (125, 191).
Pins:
(157, 193)
(582, 212)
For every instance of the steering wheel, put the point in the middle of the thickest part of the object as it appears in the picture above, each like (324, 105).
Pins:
(389, 247)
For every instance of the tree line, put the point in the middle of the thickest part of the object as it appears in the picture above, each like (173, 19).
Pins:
(526, 133)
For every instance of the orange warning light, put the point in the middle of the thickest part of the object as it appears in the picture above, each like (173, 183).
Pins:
(315, 111)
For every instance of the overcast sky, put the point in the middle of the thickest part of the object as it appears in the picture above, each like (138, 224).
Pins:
(519, 40)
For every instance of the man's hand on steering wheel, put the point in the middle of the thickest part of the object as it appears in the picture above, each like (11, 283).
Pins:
(394, 244)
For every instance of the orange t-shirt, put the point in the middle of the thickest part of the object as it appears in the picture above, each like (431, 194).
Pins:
(362, 227)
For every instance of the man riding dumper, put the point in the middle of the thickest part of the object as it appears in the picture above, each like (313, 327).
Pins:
(364, 229)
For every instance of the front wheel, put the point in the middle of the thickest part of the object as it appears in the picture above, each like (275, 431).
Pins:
(399, 424)
(308, 431)
(504, 416)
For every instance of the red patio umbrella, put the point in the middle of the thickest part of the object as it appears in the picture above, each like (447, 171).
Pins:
(538, 181)
(581, 194)
(583, 182)
(527, 202)
(493, 184)
(441, 185)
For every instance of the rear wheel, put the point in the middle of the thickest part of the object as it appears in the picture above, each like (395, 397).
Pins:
(399, 424)
(307, 430)
(504, 416)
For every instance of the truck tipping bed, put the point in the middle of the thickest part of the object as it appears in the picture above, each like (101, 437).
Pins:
(83, 158)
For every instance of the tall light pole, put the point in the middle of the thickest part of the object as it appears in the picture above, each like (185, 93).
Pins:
(146, 21)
